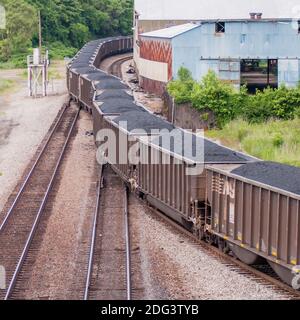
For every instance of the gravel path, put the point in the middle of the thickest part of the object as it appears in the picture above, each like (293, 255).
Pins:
(176, 268)
(23, 124)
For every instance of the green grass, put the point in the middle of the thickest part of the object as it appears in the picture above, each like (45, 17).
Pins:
(272, 141)
(6, 85)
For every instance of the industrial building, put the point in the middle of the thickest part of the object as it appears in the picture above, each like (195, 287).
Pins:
(256, 44)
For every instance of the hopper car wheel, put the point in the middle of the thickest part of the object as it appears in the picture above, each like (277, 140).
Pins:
(286, 275)
(223, 245)
(246, 256)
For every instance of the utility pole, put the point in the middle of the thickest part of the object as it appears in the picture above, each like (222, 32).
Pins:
(38, 68)
(40, 33)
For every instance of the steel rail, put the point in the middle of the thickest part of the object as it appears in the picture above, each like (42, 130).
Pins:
(10, 211)
(39, 214)
(127, 243)
(93, 238)
(116, 65)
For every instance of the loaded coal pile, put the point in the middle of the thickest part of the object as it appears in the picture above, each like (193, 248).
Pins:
(273, 174)
(119, 106)
(143, 120)
(112, 83)
(198, 148)
(114, 94)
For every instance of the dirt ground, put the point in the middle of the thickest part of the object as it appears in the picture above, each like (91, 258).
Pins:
(152, 102)
(24, 122)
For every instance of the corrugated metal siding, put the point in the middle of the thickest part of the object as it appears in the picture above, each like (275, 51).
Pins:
(202, 49)
(158, 51)
(254, 217)
(288, 72)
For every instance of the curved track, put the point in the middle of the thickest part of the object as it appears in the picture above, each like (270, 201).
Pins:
(116, 66)
(22, 220)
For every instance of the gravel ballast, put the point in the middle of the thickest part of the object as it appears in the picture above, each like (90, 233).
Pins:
(273, 174)
(175, 267)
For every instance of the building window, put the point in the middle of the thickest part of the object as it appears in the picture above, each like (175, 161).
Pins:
(220, 27)
(259, 74)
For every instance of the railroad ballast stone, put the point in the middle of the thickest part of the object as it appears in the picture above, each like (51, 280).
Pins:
(277, 175)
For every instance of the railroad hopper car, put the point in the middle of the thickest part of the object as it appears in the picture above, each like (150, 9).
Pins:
(112, 103)
(161, 174)
(222, 203)
(82, 73)
(256, 208)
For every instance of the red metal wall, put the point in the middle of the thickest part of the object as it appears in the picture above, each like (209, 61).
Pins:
(157, 50)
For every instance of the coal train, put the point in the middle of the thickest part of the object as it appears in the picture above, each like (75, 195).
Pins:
(240, 204)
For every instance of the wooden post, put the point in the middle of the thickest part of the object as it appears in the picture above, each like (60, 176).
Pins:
(40, 34)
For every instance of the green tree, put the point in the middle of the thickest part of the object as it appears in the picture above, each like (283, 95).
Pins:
(21, 24)
(79, 34)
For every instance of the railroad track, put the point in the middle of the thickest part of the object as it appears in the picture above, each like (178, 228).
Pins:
(116, 67)
(262, 274)
(109, 264)
(22, 220)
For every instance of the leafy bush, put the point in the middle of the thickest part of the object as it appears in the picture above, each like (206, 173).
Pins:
(181, 89)
(221, 98)
(227, 103)
(282, 103)
(58, 51)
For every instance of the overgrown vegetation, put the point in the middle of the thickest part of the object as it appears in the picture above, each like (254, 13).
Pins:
(265, 125)
(66, 26)
(275, 140)
(227, 103)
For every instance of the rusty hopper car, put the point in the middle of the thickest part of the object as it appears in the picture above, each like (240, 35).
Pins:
(90, 57)
(256, 209)
(241, 204)
(165, 184)
(74, 76)
(112, 103)
(177, 184)
(87, 86)
(142, 123)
